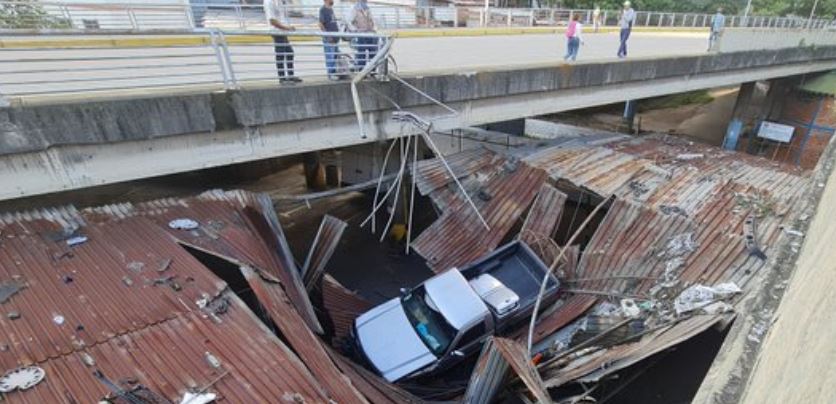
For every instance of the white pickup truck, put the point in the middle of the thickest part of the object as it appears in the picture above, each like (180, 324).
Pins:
(439, 322)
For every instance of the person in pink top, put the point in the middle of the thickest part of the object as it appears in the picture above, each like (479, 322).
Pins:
(573, 38)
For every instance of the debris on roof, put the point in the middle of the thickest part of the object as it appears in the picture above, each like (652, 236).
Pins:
(177, 327)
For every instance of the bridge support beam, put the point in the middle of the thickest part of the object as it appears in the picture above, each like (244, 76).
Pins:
(629, 114)
(744, 97)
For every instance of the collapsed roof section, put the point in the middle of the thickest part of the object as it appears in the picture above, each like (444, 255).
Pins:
(110, 303)
(689, 227)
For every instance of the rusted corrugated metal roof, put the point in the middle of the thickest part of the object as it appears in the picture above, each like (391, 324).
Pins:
(431, 174)
(238, 225)
(342, 306)
(139, 305)
(143, 307)
(502, 191)
(497, 357)
(376, 390)
(542, 221)
(679, 216)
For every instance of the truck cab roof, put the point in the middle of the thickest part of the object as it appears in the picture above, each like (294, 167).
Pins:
(458, 302)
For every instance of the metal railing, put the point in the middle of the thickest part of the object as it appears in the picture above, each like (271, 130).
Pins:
(212, 59)
(39, 16)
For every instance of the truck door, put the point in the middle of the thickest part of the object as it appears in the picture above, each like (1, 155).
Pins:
(471, 340)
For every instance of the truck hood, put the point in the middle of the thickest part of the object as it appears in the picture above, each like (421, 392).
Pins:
(390, 343)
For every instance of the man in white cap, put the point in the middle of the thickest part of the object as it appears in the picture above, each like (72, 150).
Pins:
(626, 20)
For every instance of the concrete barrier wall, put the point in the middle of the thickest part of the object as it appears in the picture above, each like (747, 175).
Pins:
(742, 39)
(36, 128)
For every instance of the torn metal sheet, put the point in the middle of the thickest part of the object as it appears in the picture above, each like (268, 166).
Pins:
(342, 306)
(542, 221)
(304, 342)
(325, 243)
(502, 194)
(491, 372)
(373, 387)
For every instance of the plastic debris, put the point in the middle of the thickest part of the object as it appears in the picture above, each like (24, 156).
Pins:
(212, 360)
(58, 319)
(163, 265)
(198, 398)
(87, 359)
(73, 241)
(183, 224)
(9, 289)
(13, 315)
(700, 296)
(629, 308)
(792, 232)
(21, 378)
(690, 156)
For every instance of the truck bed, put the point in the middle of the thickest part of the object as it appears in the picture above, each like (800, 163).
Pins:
(517, 267)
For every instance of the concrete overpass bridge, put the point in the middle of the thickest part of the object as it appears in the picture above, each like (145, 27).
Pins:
(51, 145)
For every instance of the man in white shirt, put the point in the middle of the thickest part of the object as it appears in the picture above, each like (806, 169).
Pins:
(626, 20)
(276, 13)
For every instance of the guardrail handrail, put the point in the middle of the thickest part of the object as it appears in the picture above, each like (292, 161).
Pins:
(212, 58)
(87, 17)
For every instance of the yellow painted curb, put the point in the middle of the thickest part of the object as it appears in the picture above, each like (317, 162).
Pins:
(161, 41)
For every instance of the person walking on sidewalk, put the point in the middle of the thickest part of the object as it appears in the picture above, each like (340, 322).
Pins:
(360, 21)
(625, 21)
(328, 23)
(573, 38)
(596, 18)
(718, 23)
(276, 13)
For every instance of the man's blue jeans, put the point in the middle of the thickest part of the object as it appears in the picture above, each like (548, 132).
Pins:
(331, 49)
(572, 45)
(625, 35)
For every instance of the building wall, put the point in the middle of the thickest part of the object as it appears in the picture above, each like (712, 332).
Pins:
(799, 110)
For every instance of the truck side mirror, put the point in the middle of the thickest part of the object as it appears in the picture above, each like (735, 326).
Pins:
(457, 353)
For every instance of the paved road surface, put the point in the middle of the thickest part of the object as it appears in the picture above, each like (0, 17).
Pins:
(189, 66)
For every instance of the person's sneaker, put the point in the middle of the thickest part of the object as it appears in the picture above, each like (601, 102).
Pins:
(294, 79)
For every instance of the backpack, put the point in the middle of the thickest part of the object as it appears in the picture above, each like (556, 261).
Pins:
(570, 31)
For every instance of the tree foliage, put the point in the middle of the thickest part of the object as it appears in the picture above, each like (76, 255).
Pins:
(28, 14)
(801, 8)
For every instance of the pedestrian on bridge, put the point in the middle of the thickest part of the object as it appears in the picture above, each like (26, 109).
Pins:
(328, 23)
(718, 23)
(276, 13)
(573, 38)
(360, 20)
(625, 21)
(596, 18)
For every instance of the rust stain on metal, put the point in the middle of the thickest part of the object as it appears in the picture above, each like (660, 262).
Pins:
(502, 191)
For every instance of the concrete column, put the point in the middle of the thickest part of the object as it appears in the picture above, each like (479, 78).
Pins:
(314, 171)
(629, 114)
(744, 97)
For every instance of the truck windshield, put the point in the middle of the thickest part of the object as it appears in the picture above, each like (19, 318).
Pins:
(428, 323)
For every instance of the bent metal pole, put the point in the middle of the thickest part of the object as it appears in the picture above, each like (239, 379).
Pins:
(554, 266)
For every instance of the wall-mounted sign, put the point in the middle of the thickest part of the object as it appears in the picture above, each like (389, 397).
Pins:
(776, 131)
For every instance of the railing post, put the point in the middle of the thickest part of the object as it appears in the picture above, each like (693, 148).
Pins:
(219, 45)
(397, 17)
(531, 18)
(509, 17)
(66, 12)
(132, 18)
(189, 17)
(240, 14)
(661, 19)
(647, 21)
